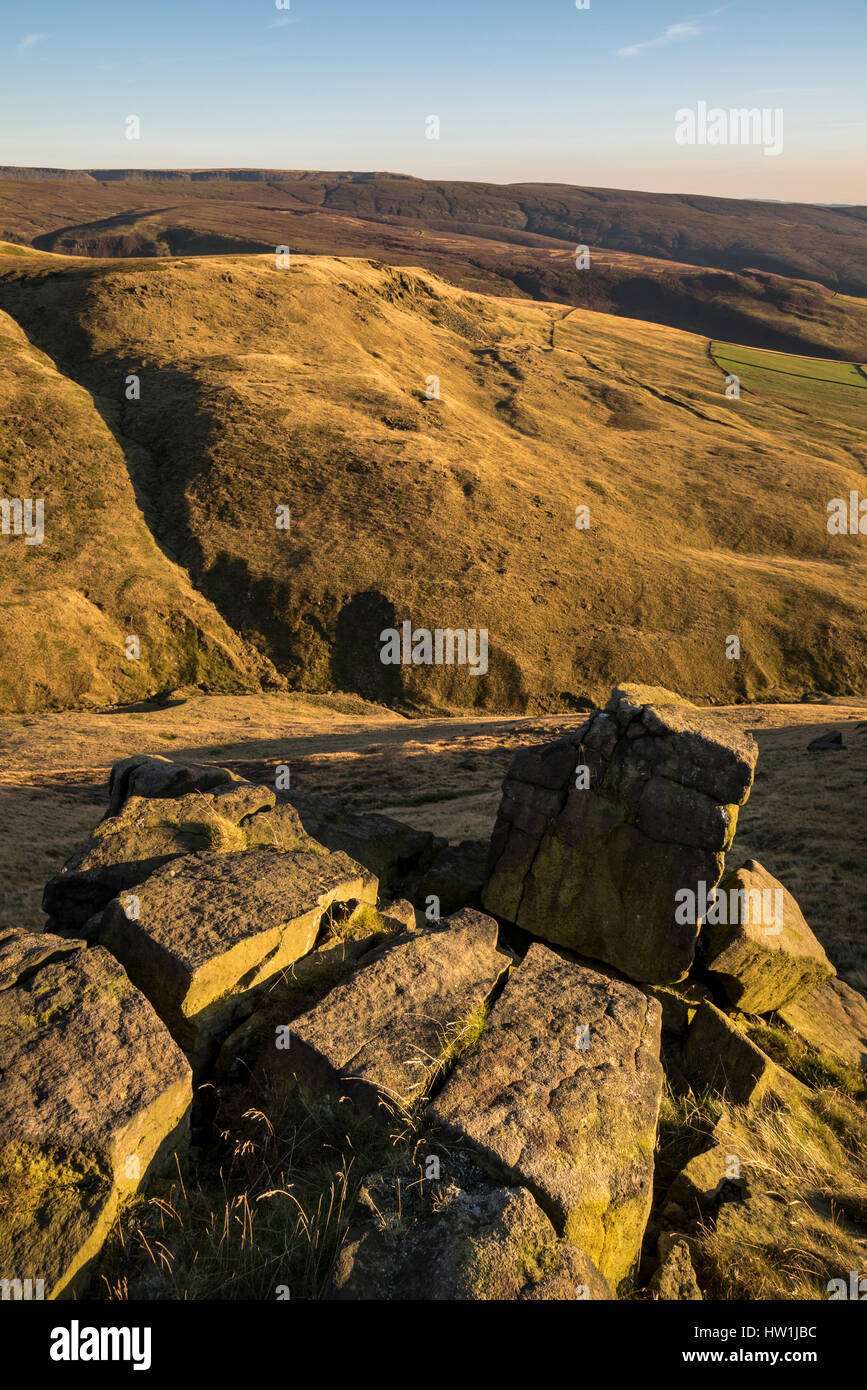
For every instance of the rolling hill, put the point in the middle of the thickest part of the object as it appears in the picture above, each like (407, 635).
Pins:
(784, 276)
(308, 387)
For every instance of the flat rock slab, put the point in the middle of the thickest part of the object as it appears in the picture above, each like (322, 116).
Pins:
(94, 1095)
(146, 833)
(250, 1049)
(561, 1095)
(600, 833)
(383, 1035)
(211, 931)
(833, 1019)
(462, 1238)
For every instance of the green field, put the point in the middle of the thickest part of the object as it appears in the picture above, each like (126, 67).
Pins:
(830, 391)
(732, 358)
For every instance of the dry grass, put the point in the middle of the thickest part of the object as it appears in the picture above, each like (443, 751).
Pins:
(261, 1216)
(476, 236)
(804, 1222)
(707, 516)
(801, 1219)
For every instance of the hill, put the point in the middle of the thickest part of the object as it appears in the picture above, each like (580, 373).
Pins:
(99, 576)
(770, 275)
(308, 387)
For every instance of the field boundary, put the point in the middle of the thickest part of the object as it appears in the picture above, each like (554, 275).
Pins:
(716, 350)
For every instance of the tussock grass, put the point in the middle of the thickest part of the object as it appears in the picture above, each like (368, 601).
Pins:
(801, 1217)
(804, 1221)
(264, 1214)
(805, 1062)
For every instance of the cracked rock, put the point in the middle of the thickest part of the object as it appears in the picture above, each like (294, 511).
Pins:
(561, 1094)
(598, 833)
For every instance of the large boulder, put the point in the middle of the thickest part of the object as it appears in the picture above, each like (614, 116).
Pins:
(458, 1238)
(561, 1095)
(126, 848)
(206, 934)
(94, 1097)
(833, 1019)
(383, 1035)
(604, 837)
(761, 950)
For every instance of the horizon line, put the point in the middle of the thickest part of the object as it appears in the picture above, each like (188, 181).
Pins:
(92, 171)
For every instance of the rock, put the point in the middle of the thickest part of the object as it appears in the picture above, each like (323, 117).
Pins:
(699, 1185)
(383, 1035)
(94, 1097)
(212, 931)
(458, 1240)
(250, 1048)
(153, 775)
(456, 876)
(675, 1278)
(765, 955)
(832, 739)
(599, 868)
(561, 1095)
(833, 1019)
(125, 849)
(401, 914)
(679, 1005)
(395, 852)
(717, 1055)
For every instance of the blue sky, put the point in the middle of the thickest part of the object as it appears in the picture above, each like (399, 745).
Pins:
(524, 89)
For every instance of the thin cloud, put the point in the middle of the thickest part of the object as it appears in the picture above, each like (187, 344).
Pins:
(30, 41)
(674, 33)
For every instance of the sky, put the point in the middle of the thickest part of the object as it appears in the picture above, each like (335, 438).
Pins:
(523, 90)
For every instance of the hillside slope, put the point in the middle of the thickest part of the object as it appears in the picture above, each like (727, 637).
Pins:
(70, 603)
(765, 274)
(306, 387)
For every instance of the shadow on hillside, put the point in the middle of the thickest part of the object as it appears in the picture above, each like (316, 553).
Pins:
(167, 439)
